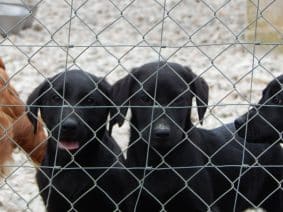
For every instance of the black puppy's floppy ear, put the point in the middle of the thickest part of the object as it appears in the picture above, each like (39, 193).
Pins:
(34, 101)
(120, 93)
(201, 90)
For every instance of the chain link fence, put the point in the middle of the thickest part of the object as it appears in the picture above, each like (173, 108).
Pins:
(225, 42)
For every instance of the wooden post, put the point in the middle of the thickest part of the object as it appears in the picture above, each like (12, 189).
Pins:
(267, 19)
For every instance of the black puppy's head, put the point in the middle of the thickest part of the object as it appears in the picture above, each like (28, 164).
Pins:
(71, 105)
(160, 97)
(264, 123)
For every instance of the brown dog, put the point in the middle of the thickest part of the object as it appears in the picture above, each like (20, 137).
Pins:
(15, 128)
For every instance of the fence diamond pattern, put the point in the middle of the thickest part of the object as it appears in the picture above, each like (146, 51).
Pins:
(110, 38)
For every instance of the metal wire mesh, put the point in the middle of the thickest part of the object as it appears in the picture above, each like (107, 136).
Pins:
(220, 40)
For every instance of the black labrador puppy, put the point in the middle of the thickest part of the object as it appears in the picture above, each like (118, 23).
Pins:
(169, 163)
(263, 125)
(180, 166)
(263, 190)
(81, 167)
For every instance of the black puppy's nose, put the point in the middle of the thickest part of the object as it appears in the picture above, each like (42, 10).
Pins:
(161, 130)
(69, 124)
(239, 122)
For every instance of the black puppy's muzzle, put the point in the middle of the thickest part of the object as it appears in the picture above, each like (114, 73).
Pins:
(69, 135)
(69, 125)
(240, 122)
(161, 130)
(245, 119)
(161, 133)
(244, 122)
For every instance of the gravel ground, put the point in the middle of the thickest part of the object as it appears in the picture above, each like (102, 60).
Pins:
(110, 38)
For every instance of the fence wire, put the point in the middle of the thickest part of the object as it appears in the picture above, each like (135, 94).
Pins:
(235, 46)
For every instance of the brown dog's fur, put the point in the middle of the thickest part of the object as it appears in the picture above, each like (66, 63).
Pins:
(15, 128)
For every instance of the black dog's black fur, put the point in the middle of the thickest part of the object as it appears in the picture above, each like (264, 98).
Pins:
(259, 175)
(162, 136)
(79, 144)
(158, 136)
(264, 124)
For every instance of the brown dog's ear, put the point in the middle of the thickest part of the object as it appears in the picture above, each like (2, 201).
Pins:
(2, 64)
(201, 91)
(120, 93)
(33, 103)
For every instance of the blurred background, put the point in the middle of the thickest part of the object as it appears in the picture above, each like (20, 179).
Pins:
(236, 46)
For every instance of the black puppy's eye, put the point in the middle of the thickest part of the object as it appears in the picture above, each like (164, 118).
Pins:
(89, 100)
(276, 100)
(145, 98)
(56, 98)
(178, 100)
